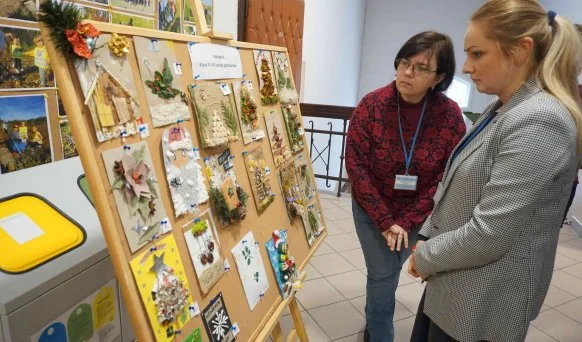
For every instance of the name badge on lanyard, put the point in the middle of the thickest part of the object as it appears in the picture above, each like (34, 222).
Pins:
(406, 181)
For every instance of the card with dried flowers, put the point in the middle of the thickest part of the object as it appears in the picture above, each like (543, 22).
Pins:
(136, 193)
(248, 114)
(260, 177)
(264, 65)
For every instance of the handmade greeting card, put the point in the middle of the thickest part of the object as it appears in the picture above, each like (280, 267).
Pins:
(183, 171)
(250, 266)
(163, 287)
(291, 189)
(294, 125)
(305, 177)
(160, 71)
(283, 73)
(247, 111)
(279, 148)
(264, 65)
(312, 222)
(109, 88)
(215, 112)
(260, 178)
(283, 264)
(204, 249)
(217, 321)
(136, 192)
(228, 197)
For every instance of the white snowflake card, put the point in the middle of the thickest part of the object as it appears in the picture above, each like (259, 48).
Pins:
(251, 269)
(217, 321)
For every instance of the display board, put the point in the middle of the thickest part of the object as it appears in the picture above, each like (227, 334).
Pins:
(188, 206)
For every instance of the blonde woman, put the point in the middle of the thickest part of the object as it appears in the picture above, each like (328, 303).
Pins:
(492, 236)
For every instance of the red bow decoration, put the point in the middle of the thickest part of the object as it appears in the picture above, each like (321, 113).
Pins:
(77, 39)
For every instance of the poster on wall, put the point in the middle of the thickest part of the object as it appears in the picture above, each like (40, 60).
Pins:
(95, 318)
(18, 9)
(145, 7)
(24, 132)
(24, 61)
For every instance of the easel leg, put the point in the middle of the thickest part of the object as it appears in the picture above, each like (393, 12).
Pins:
(298, 320)
(276, 334)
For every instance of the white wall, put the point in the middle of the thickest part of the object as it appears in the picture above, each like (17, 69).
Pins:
(332, 45)
(389, 23)
(226, 16)
(571, 9)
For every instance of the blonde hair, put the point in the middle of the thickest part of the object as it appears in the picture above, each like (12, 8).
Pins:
(557, 58)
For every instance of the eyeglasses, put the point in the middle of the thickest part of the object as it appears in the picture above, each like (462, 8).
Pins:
(417, 69)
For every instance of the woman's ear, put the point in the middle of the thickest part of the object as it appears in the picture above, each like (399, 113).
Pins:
(438, 80)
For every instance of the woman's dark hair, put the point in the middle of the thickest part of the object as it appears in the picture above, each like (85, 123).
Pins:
(436, 44)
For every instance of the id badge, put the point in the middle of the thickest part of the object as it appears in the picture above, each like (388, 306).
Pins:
(404, 182)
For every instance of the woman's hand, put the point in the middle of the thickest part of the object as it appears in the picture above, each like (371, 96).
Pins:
(412, 264)
(394, 237)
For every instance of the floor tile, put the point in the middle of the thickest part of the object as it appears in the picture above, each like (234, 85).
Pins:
(323, 249)
(558, 326)
(571, 249)
(354, 257)
(572, 309)
(355, 236)
(567, 282)
(314, 332)
(403, 329)
(311, 273)
(342, 242)
(347, 225)
(567, 230)
(563, 261)
(405, 279)
(333, 229)
(575, 270)
(409, 295)
(536, 335)
(326, 203)
(318, 292)
(331, 264)
(339, 320)
(557, 297)
(347, 207)
(359, 337)
(350, 284)
(334, 214)
(545, 308)
(360, 304)
(566, 237)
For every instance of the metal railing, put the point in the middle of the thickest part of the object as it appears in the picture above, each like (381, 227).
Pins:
(328, 112)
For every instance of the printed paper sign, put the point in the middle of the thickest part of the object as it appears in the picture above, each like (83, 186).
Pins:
(214, 62)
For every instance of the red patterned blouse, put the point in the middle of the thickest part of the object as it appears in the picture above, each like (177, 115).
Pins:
(374, 154)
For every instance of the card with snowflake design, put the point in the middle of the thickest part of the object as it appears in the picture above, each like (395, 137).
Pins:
(217, 321)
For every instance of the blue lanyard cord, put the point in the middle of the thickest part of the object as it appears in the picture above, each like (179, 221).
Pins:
(407, 155)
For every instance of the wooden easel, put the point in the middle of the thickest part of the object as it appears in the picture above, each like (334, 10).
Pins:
(264, 319)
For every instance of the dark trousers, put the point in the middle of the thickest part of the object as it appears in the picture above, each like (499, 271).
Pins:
(571, 199)
(425, 330)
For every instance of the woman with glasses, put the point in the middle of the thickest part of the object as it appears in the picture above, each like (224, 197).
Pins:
(494, 230)
(399, 139)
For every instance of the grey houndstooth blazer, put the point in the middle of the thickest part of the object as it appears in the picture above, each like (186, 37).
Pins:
(494, 229)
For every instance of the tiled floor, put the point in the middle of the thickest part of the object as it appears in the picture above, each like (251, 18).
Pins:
(333, 297)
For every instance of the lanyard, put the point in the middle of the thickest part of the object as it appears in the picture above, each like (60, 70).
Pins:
(407, 155)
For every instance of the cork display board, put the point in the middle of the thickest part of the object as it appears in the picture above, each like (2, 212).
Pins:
(159, 254)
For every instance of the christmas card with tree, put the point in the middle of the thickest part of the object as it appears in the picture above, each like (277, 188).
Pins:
(247, 111)
(228, 197)
(260, 178)
(277, 141)
(161, 74)
(251, 269)
(163, 286)
(217, 122)
(305, 177)
(312, 222)
(291, 189)
(183, 171)
(109, 89)
(136, 192)
(264, 65)
(204, 249)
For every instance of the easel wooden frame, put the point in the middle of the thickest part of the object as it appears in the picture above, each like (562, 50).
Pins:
(91, 160)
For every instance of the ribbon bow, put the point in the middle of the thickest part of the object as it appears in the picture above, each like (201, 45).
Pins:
(118, 45)
(78, 39)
